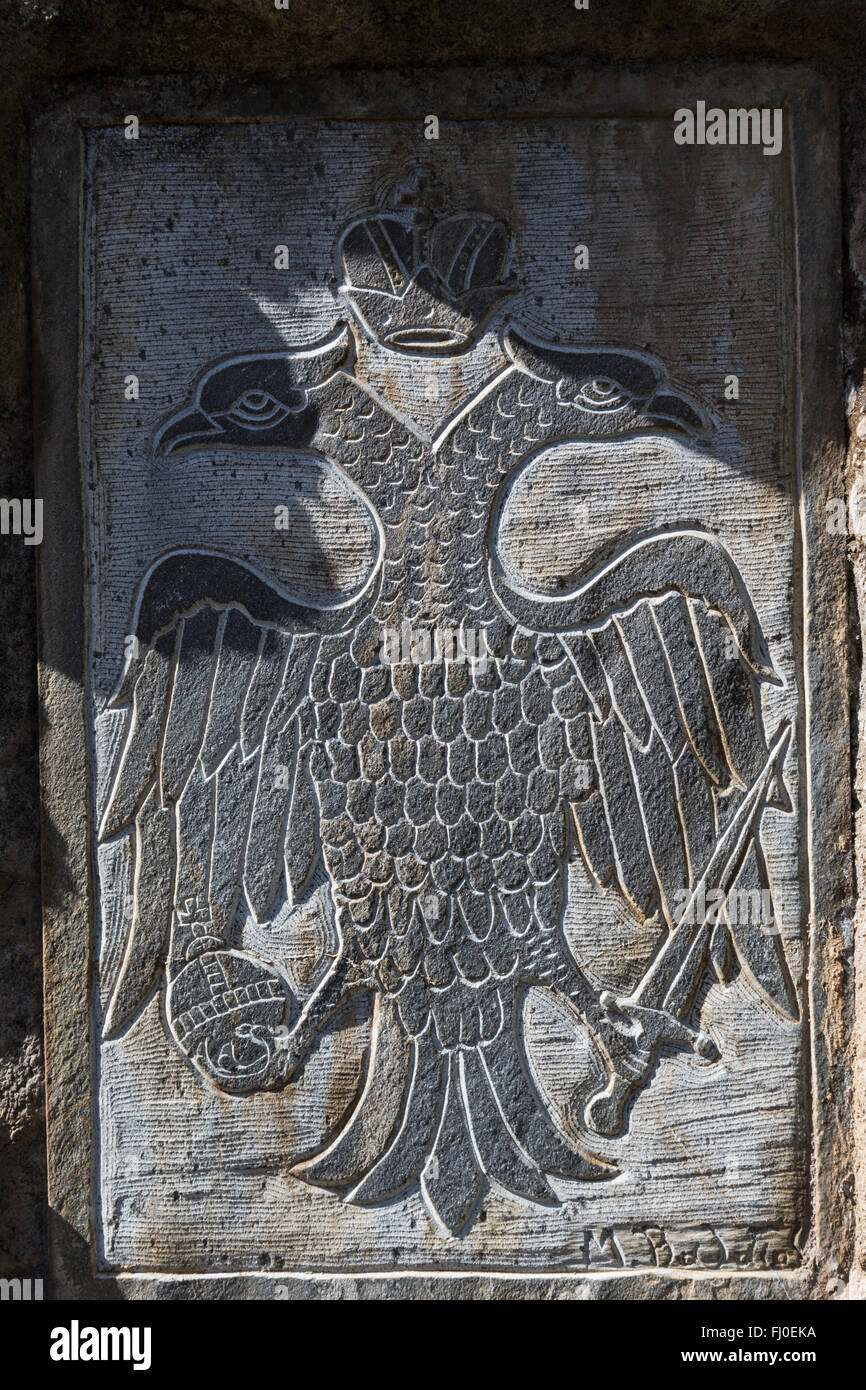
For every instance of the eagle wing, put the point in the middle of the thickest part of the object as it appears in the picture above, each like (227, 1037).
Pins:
(213, 781)
(657, 663)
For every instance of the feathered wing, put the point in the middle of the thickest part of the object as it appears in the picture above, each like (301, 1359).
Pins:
(665, 660)
(213, 781)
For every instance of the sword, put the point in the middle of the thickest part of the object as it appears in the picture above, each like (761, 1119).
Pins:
(656, 1010)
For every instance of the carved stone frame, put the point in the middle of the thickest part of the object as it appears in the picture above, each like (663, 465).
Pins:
(483, 90)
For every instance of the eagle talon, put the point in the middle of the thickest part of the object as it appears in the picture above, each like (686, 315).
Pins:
(651, 1027)
(630, 1034)
(627, 1062)
(706, 1047)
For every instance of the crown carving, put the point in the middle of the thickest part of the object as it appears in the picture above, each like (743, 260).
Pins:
(420, 283)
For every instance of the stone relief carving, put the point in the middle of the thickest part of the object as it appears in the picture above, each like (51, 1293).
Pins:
(618, 723)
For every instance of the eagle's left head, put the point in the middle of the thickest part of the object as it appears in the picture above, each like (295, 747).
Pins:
(260, 399)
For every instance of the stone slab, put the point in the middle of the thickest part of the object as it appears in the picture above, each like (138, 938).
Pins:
(246, 484)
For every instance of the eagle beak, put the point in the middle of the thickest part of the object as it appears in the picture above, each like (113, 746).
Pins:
(187, 427)
(674, 410)
(671, 409)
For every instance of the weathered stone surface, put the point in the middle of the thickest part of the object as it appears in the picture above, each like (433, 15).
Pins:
(45, 50)
(391, 964)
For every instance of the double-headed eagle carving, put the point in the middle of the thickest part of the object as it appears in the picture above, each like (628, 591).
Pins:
(619, 724)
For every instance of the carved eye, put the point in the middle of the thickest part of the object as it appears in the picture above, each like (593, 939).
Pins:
(257, 410)
(601, 394)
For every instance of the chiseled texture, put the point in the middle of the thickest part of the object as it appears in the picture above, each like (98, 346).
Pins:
(443, 790)
(46, 46)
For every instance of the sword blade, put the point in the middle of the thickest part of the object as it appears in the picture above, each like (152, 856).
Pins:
(671, 979)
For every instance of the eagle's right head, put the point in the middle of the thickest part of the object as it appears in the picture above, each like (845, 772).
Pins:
(611, 391)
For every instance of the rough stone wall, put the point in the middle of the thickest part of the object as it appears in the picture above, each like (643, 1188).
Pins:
(46, 48)
(854, 341)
